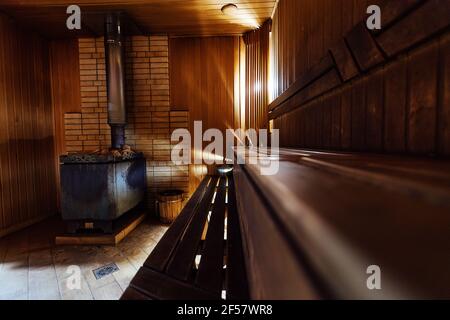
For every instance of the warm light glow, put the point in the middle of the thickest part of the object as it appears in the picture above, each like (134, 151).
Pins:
(209, 216)
(270, 78)
(249, 20)
(200, 170)
(198, 258)
(208, 156)
(245, 18)
(257, 87)
(242, 86)
(225, 169)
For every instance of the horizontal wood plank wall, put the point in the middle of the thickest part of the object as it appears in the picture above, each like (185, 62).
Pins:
(27, 167)
(339, 86)
(257, 68)
(202, 75)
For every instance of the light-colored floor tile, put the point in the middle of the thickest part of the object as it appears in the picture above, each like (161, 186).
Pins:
(149, 246)
(90, 277)
(69, 292)
(31, 267)
(14, 278)
(111, 291)
(42, 280)
(125, 273)
(136, 256)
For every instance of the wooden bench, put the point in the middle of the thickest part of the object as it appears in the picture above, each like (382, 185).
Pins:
(312, 230)
(200, 256)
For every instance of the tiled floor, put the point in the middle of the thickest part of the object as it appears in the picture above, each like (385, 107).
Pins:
(32, 267)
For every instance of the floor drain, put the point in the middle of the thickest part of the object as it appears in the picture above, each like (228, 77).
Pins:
(105, 270)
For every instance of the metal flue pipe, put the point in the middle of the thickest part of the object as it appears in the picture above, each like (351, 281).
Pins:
(115, 78)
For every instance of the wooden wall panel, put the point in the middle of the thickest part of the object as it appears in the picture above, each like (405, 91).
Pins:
(346, 117)
(422, 100)
(202, 79)
(395, 107)
(256, 77)
(202, 75)
(66, 96)
(27, 168)
(374, 111)
(444, 98)
(392, 89)
(304, 30)
(358, 114)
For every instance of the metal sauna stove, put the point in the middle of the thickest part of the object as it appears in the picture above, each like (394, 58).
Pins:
(98, 188)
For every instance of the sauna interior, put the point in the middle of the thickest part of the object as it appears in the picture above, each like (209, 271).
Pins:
(337, 185)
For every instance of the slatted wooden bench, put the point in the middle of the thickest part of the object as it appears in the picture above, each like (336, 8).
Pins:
(200, 256)
(311, 231)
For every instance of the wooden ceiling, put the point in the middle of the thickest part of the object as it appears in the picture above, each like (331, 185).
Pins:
(175, 17)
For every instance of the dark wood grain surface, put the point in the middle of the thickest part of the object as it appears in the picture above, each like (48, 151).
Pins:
(342, 212)
(152, 16)
(392, 99)
(27, 161)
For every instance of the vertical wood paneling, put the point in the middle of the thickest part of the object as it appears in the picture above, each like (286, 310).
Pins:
(422, 99)
(27, 170)
(395, 107)
(65, 85)
(4, 146)
(346, 117)
(257, 62)
(202, 75)
(303, 30)
(444, 96)
(387, 103)
(13, 102)
(336, 121)
(374, 111)
(327, 121)
(358, 112)
(202, 79)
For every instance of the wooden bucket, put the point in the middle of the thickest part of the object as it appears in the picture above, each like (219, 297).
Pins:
(170, 204)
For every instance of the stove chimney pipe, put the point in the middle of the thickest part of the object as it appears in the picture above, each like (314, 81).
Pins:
(114, 56)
